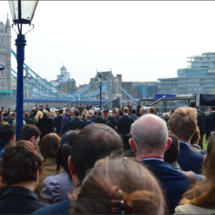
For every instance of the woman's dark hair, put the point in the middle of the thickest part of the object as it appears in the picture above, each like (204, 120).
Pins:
(68, 137)
(63, 153)
(120, 113)
(19, 163)
(49, 146)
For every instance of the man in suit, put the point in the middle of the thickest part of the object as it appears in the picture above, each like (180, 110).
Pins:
(77, 106)
(113, 120)
(88, 120)
(36, 107)
(76, 123)
(81, 108)
(91, 112)
(88, 107)
(123, 105)
(183, 123)
(84, 155)
(27, 119)
(45, 125)
(142, 111)
(13, 117)
(33, 113)
(58, 120)
(209, 122)
(124, 124)
(129, 107)
(149, 144)
(138, 109)
(99, 118)
(134, 114)
(47, 108)
(65, 123)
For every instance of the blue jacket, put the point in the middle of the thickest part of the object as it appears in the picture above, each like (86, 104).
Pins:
(174, 182)
(209, 124)
(62, 207)
(65, 124)
(2, 145)
(190, 160)
(89, 122)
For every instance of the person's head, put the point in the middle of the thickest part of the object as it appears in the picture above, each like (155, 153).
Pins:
(142, 111)
(33, 109)
(96, 113)
(183, 123)
(152, 110)
(125, 110)
(7, 134)
(49, 145)
(68, 137)
(195, 138)
(171, 155)
(30, 133)
(21, 163)
(105, 112)
(4, 119)
(76, 113)
(171, 112)
(165, 115)
(133, 111)
(38, 116)
(88, 117)
(115, 112)
(149, 137)
(13, 114)
(52, 113)
(113, 182)
(45, 113)
(210, 109)
(68, 111)
(91, 112)
(26, 114)
(101, 141)
(60, 112)
(84, 113)
(99, 113)
(193, 104)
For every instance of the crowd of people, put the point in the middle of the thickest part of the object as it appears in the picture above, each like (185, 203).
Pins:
(129, 161)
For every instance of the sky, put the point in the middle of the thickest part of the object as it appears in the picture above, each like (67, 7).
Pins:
(142, 40)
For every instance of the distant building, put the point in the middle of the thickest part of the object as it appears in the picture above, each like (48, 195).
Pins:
(72, 85)
(198, 77)
(64, 75)
(5, 55)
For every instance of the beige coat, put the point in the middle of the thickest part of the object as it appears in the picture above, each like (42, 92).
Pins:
(192, 209)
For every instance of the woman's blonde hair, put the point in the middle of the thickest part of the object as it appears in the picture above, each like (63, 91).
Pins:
(84, 113)
(118, 182)
(38, 116)
(52, 113)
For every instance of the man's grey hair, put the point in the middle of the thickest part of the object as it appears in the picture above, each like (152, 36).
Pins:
(150, 137)
(143, 109)
(88, 116)
(91, 112)
(45, 112)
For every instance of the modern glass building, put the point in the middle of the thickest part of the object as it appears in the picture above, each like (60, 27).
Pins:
(198, 77)
(199, 66)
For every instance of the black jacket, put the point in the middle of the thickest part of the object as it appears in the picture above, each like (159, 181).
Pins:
(45, 125)
(111, 122)
(209, 124)
(76, 123)
(57, 123)
(19, 200)
(134, 117)
(99, 120)
(203, 119)
(28, 121)
(94, 117)
(10, 121)
(124, 124)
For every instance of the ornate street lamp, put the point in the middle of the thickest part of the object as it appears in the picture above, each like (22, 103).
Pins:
(22, 13)
(2, 66)
(100, 76)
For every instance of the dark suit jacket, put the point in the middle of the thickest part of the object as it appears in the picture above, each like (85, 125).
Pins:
(190, 160)
(19, 200)
(124, 124)
(111, 122)
(134, 117)
(174, 182)
(209, 123)
(203, 119)
(199, 122)
(94, 117)
(100, 120)
(45, 125)
(57, 123)
(28, 121)
(10, 120)
(65, 124)
(76, 123)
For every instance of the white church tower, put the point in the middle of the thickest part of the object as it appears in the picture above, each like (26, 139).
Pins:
(64, 75)
(5, 55)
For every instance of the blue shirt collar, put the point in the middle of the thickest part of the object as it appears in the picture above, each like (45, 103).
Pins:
(185, 143)
(148, 159)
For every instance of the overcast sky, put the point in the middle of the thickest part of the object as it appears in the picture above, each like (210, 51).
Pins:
(141, 40)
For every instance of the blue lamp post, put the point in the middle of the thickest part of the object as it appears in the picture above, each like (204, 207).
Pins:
(22, 13)
(100, 76)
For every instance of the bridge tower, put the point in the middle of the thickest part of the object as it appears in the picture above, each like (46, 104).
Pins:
(5, 55)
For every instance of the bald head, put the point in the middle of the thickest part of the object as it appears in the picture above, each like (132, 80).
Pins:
(150, 134)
